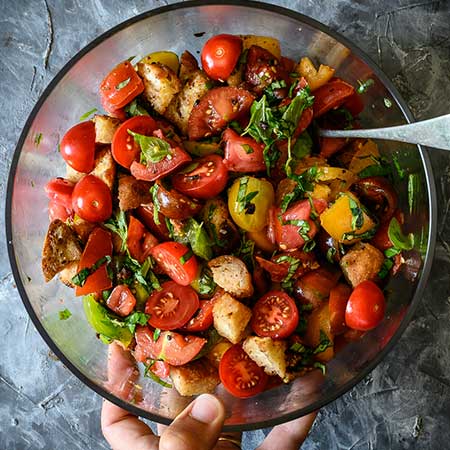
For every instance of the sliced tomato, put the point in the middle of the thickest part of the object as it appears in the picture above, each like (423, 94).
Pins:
(60, 191)
(330, 146)
(121, 300)
(121, 85)
(146, 215)
(220, 55)
(173, 348)
(216, 108)
(207, 178)
(77, 147)
(274, 315)
(242, 154)
(240, 375)
(139, 240)
(57, 211)
(365, 307)
(289, 226)
(354, 104)
(331, 95)
(91, 199)
(118, 113)
(304, 122)
(203, 319)
(172, 306)
(124, 148)
(98, 246)
(337, 303)
(314, 287)
(161, 369)
(177, 261)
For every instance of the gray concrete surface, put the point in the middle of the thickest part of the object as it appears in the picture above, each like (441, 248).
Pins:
(404, 403)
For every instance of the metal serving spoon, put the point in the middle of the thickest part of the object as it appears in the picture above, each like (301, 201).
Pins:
(432, 133)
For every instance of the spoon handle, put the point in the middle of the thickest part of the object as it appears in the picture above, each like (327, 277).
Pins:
(432, 133)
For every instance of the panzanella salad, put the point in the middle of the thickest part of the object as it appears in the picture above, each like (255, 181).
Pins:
(210, 231)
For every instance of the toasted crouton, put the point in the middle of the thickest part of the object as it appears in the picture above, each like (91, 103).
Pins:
(133, 193)
(362, 262)
(267, 353)
(194, 378)
(231, 318)
(68, 273)
(161, 84)
(231, 274)
(188, 65)
(105, 127)
(61, 247)
(181, 106)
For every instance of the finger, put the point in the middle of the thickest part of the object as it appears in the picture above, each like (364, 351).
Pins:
(290, 435)
(197, 427)
(123, 431)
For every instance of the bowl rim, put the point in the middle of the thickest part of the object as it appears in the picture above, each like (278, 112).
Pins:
(432, 205)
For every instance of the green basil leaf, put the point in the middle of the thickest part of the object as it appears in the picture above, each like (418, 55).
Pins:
(87, 114)
(153, 149)
(397, 237)
(122, 84)
(135, 109)
(64, 314)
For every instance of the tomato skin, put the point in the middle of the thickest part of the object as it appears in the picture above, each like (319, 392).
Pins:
(161, 369)
(121, 300)
(124, 74)
(366, 306)
(168, 256)
(98, 246)
(236, 157)
(57, 211)
(207, 180)
(330, 146)
(60, 191)
(203, 319)
(173, 348)
(381, 239)
(124, 149)
(304, 122)
(274, 315)
(172, 306)
(77, 147)
(331, 95)
(220, 55)
(237, 371)
(91, 199)
(145, 214)
(354, 104)
(139, 240)
(339, 296)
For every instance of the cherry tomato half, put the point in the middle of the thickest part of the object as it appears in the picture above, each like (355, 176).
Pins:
(60, 191)
(121, 85)
(203, 319)
(77, 147)
(177, 261)
(339, 296)
(146, 214)
(207, 179)
(121, 300)
(220, 55)
(240, 375)
(91, 199)
(124, 149)
(172, 306)
(57, 211)
(274, 315)
(365, 307)
(139, 240)
(331, 95)
(173, 348)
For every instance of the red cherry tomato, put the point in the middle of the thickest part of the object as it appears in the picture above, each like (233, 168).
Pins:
(274, 315)
(216, 108)
(177, 261)
(220, 55)
(124, 149)
(331, 95)
(330, 146)
(121, 85)
(113, 112)
(91, 199)
(121, 300)
(173, 348)
(207, 179)
(60, 191)
(57, 211)
(354, 104)
(203, 319)
(304, 122)
(240, 375)
(139, 240)
(77, 147)
(172, 306)
(161, 369)
(381, 239)
(145, 213)
(337, 304)
(365, 307)
(242, 154)
(98, 246)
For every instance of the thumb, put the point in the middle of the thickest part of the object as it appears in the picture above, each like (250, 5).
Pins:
(197, 427)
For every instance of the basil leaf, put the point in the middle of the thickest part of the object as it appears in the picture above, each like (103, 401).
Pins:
(156, 334)
(303, 146)
(135, 109)
(122, 84)
(153, 149)
(186, 257)
(118, 225)
(364, 85)
(149, 374)
(64, 314)
(247, 148)
(324, 343)
(321, 366)
(357, 214)
(87, 114)
(375, 170)
(156, 205)
(246, 251)
(397, 237)
(38, 139)
(413, 191)
(136, 318)
(385, 268)
(80, 278)
(198, 239)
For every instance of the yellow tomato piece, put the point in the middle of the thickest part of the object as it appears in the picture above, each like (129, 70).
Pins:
(216, 353)
(261, 240)
(317, 321)
(168, 59)
(269, 43)
(341, 223)
(315, 78)
(249, 200)
(366, 155)
(321, 191)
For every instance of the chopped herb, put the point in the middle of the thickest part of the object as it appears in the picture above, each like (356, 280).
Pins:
(304, 184)
(131, 58)
(80, 278)
(106, 294)
(153, 149)
(385, 268)
(32, 183)
(243, 57)
(397, 237)
(118, 225)
(302, 326)
(398, 168)
(390, 252)
(136, 318)
(169, 226)
(87, 114)
(186, 257)
(413, 191)
(297, 347)
(387, 102)
(303, 146)
(243, 199)
(236, 127)
(357, 214)
(294, 264)
(248, 149)
(365, 236)
(294, 75)
(156, 334)
(324, 343)
(205, 282)
(363, 86)
(64, 314)
(198, 239)
(331, 253)
(149, 374)
(270, 91)
(135, 109)
(245, 252)
(190, 168)
(156, 205)
(375, 170)
(122, 84)
(38, 139)
(309, 246)
(306, 307)
(321, 366)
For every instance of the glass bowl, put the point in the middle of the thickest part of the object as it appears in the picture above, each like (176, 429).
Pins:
(75, 90)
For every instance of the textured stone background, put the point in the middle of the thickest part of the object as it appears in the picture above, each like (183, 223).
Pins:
(405, 402)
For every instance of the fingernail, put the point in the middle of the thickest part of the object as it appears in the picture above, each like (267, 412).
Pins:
(205, 409)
